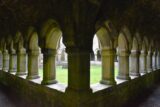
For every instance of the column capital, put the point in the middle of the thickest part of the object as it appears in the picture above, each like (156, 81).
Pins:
(34, 52)
(108, 52)
(46, 51)
(21, 51)
(123, 52)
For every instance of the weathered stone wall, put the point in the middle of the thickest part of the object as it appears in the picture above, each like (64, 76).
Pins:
(43, 96)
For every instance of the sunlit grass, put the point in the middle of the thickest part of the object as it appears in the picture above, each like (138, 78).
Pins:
(62, 74)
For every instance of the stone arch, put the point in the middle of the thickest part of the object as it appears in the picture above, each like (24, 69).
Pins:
(50, 37)
(139, 39)
(128, 36)
(32, 39)
(123, 44)
(105, 35)
(145, 44)
(135, 44)
(50, 34)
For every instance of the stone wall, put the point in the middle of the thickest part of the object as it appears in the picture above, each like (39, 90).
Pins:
(55, 96)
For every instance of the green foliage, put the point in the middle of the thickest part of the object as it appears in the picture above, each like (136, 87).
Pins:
(62, 74)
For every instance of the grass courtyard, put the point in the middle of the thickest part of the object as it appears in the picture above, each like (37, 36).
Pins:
(61, 74)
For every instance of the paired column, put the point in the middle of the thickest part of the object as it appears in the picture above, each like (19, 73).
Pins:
(13, 61)
(134, 63)
(33, 64)
(149, 61)
(108, 57)
(49, 69)
(5, 60)
(143, 62)
(21, 62)
(123, 65)
(78, 70)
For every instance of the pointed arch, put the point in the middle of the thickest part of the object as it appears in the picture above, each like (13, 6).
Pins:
(128, 36)
(32, 39)
(122, 42)
(135, 45)
(105, 39)
(50, 34)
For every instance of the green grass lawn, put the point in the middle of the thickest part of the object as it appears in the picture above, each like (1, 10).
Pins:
(62, 74)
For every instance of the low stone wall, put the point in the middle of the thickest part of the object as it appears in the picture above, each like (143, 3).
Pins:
(48, 96)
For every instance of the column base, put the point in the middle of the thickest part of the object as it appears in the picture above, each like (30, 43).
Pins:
(144, 72)
(149, 70)
(123, 77)
(4, 69)
(48, 82)
(12, 71)
(135, 74)
(20, 73)
(32, 77)
(108, 82)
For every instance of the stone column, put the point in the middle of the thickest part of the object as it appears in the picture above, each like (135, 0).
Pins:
(21, 62)
(158, 60)
(5, 60)
(13, 62)
(154, 61)
(78, 70)
(49, 69)
(1, 60)
(123, 65)
(143, 62)
(33, 64)
(108, 57)
(134, 63)
(149, 61)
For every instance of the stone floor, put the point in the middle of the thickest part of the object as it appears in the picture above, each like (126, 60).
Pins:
(149, 99)
(5, 99)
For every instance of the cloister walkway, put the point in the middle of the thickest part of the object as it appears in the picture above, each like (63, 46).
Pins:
(151, 98)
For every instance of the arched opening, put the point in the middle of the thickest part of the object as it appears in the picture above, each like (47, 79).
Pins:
(103, 66)
(55, 64)
(95, 61)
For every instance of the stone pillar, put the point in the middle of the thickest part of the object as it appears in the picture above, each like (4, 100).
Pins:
(134, 63)
(21, 62)
(78, 70)
(154, 61)
(49, 69)
(13, 62)
(33, 64)
(1, 60)
(149, 61)
(143, 62)
(5, 60)
(123, 65)
(108, 57)
(158, 60)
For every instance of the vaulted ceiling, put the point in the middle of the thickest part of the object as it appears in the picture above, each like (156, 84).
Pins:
(139, 15)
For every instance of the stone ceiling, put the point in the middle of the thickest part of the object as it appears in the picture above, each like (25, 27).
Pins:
(138, 15)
